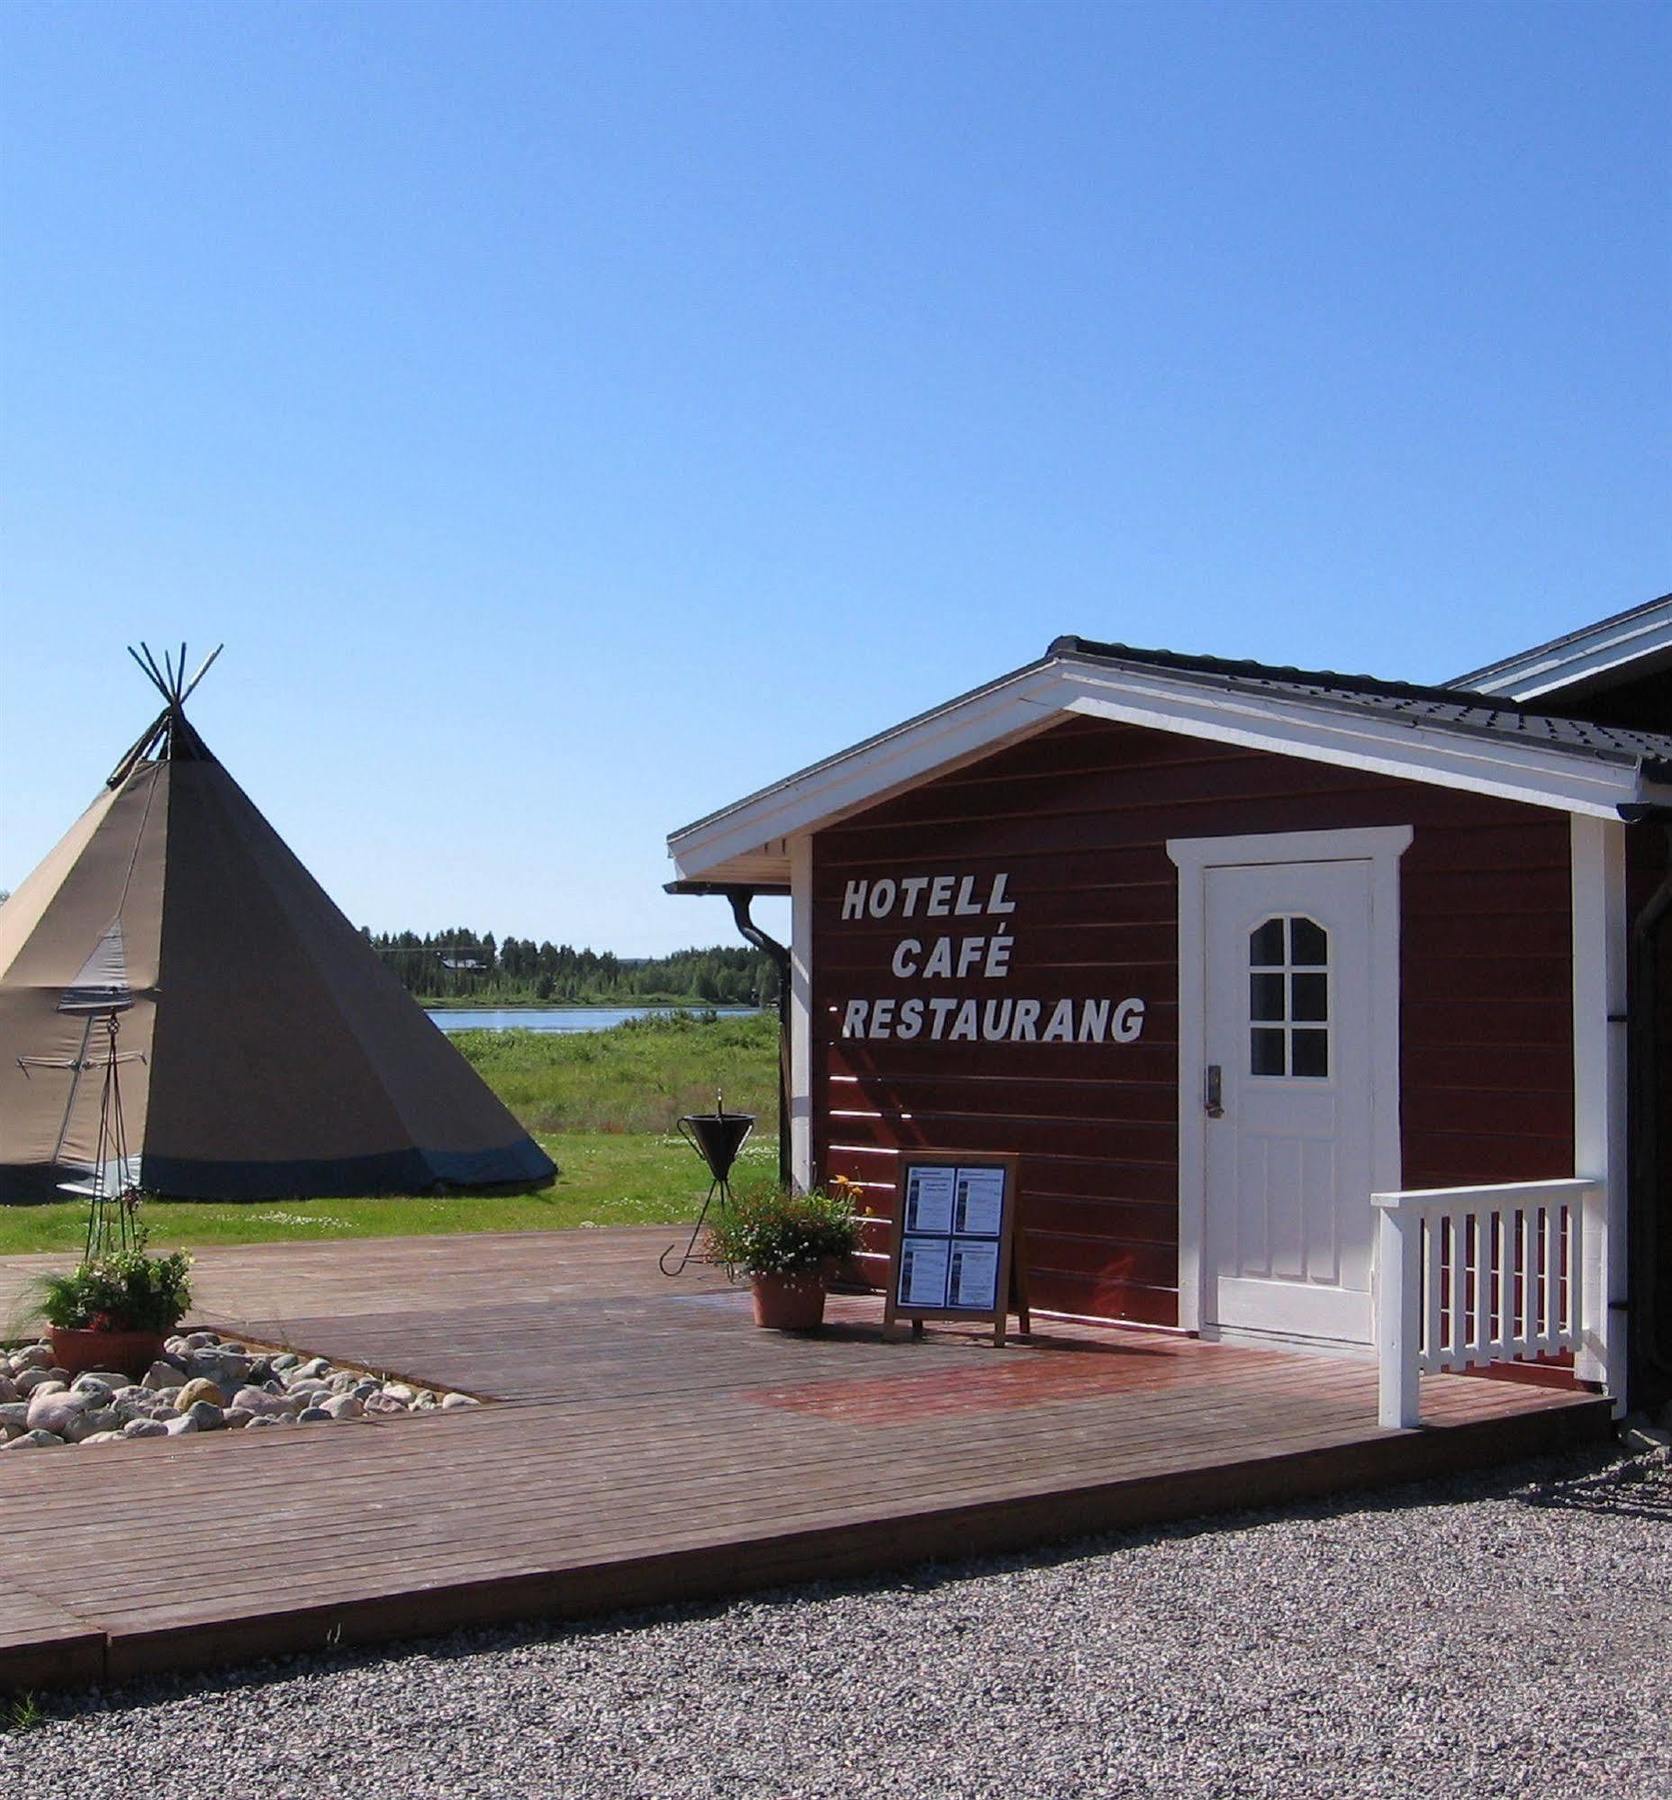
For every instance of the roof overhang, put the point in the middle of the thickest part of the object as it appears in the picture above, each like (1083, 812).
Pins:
(1622, 648)
(749, 841)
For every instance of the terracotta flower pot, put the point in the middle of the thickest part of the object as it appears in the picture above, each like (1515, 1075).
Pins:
(788, 1302)
(122, 1352)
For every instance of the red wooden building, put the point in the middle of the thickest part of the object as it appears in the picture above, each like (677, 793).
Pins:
(1317, 1007)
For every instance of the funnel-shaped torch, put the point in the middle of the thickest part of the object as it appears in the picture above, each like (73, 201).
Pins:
(716, 1137)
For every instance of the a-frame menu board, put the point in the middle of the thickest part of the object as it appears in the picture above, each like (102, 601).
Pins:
(953, 1251)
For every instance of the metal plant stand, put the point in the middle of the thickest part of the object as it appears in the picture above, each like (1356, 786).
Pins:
(716, 1137)
(114, 1197)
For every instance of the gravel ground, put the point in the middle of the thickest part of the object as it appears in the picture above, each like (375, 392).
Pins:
(1508, 1635)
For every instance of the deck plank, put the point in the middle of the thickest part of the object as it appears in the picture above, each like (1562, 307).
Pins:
(643, 1442)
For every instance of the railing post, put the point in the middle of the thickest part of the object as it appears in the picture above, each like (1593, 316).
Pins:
(1588, 1286)
(1398, 1313)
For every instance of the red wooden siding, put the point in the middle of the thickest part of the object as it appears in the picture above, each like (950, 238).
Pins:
(1078, 819)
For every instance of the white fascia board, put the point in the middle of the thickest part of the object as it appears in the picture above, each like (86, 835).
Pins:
(1006, 710)
(1398, 747)
(738, 838)
(1553, 669)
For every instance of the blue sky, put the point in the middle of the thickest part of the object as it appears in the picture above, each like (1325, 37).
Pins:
(573, 417)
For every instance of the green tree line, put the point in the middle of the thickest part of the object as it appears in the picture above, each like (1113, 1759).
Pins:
(461, 965)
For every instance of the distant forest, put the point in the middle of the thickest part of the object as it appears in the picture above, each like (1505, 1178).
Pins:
(460, 965)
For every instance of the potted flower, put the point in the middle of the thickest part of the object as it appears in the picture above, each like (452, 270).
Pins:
(114, 1311)
(787, 1244)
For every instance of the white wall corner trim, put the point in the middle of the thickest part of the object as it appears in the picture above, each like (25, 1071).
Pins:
(1380, 846)
(1600, 950)
(800, 1122)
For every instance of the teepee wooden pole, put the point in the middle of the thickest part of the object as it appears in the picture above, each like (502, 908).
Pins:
(156, 673)
(148, 669)
(190, 685)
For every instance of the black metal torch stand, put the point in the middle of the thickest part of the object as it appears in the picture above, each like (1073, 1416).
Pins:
(716, 1137)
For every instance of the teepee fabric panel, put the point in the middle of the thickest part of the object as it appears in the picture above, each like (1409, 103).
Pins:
(287, 1059)
(106, 871)
(265, 1050)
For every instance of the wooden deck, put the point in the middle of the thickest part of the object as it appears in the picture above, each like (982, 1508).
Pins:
(650, 1445)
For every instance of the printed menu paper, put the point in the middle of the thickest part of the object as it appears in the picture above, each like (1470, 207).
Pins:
(923, 1269)
(979, 1205)
(974, 1274)
(929, 1194)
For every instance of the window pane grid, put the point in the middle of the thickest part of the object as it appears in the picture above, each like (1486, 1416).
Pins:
(1288, 998)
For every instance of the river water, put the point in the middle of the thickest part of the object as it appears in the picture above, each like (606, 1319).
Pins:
(558, 1018)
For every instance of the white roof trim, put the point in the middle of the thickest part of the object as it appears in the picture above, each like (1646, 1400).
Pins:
(1643, 635)
(1387, 745)
(1013, 707)
(1040, 695)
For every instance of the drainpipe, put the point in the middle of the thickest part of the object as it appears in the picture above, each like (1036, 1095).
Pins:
(741, 898)
(1649, 1319)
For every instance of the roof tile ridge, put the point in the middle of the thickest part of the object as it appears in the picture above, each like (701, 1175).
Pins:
(1251, 669)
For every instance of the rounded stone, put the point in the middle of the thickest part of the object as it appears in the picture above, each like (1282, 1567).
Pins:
(312, 1415)
(258, 1401)
(113, 1379)
(208, 1415)
(221, 1367)
(200, 1390)
(343, 1406)
(144, 1428)
(55, 1411)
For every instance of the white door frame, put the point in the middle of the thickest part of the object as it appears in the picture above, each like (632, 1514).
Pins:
(1381, 846)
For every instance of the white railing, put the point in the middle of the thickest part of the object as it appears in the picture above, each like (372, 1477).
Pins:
(1474, 1275)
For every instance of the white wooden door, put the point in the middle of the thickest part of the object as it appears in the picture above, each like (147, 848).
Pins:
(1288, 1231)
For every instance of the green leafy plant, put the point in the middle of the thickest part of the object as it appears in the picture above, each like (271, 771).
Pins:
(22, 1712)
(770, 1232)
(122, 1290)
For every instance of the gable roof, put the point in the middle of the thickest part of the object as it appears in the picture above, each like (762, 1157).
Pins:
(1622, 647)
(1439, 735)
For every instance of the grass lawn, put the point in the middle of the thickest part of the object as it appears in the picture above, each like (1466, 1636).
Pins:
(637, 1077)
(608, 1178)
(602, 1104)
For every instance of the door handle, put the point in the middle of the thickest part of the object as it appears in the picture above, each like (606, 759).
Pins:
(1213, 1092)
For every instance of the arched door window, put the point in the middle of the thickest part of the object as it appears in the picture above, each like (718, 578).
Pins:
(1288, 998)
